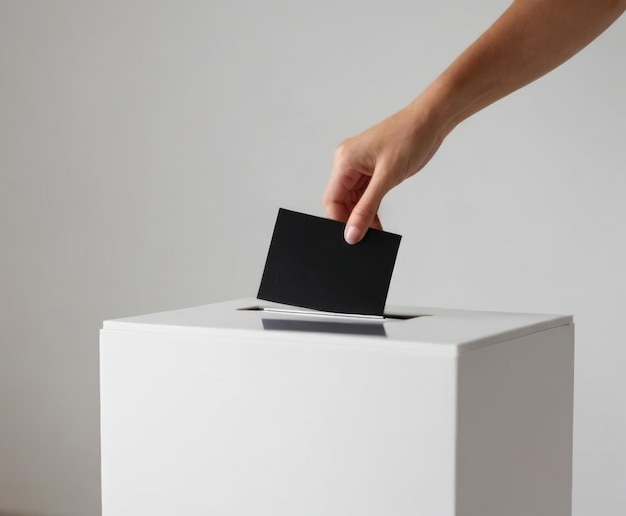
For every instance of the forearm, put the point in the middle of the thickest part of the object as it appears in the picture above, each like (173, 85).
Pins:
(531, 38)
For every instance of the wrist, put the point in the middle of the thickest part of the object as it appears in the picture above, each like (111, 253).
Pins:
(436, 108)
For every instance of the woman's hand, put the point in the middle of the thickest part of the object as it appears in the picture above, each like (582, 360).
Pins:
(530, 38)
(367, 166)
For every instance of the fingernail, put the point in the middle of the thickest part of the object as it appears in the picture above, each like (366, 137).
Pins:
(351, 235)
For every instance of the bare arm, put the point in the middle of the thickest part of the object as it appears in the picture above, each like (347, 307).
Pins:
(531, 38)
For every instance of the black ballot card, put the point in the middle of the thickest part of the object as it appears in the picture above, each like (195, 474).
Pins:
(309, 264)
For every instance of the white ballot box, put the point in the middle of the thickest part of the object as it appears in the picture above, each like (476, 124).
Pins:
(235, 409)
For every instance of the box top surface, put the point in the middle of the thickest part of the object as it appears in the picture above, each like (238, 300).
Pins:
(435, 329)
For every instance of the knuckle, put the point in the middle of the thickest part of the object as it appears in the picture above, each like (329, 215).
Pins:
(365, 211)
(326, 200)
(342, 151)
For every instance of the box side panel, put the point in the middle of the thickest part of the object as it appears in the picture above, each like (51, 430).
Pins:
(515, 418)
(230, 427)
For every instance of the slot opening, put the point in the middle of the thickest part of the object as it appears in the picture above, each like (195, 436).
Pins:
(306, 312)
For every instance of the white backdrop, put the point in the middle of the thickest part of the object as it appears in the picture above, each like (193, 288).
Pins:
(145, 148)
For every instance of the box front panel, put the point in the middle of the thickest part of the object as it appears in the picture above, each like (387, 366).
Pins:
(235, 426)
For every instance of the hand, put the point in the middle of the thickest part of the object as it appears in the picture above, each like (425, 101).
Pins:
(367, 166)
(531, 38)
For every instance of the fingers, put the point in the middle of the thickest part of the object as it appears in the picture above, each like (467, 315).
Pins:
(341, 184)
(367, 166)
(354, 192)
(377, 224)
(365, 213)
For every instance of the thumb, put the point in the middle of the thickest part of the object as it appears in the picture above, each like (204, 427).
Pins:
(364, 214)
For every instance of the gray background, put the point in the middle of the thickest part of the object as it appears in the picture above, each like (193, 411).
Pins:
(146, 147)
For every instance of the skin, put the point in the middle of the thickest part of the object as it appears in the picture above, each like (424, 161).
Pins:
(531, 38)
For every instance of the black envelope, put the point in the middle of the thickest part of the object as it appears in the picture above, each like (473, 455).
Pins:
(309, 264)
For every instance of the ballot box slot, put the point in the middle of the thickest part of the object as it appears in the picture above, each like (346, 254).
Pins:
(388, 316)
